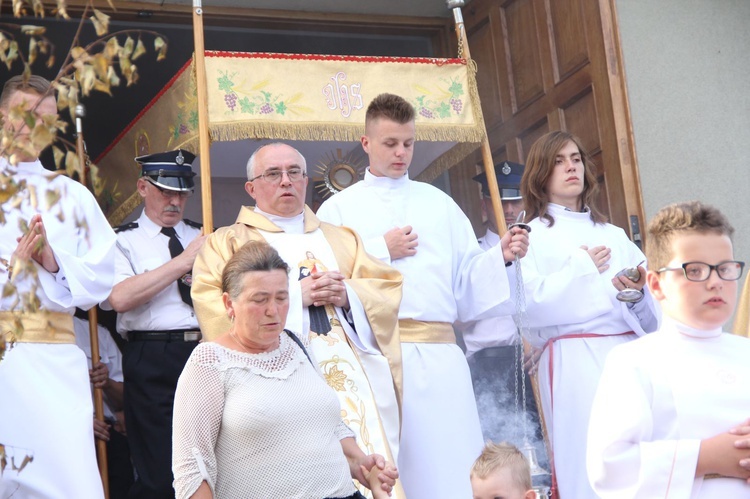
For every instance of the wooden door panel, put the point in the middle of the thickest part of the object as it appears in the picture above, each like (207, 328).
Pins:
(522, 53)
(558, 68)
(567, 37)
(483, 52)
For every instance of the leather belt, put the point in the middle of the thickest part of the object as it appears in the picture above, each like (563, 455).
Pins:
(175, 335)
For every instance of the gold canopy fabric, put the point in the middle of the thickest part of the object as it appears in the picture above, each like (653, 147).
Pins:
(295, 97)
(742, 317)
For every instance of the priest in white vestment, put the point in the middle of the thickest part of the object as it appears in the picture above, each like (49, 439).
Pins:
(571, 286)
(46, 405)
(665, 403)
(344, 300)
(423, 234)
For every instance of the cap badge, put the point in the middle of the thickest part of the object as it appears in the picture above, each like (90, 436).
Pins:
(506, 168)
(180, 159)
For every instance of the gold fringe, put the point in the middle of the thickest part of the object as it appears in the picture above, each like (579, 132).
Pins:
(335, 132)
(125, 209)
(476, 105)
(446, 161)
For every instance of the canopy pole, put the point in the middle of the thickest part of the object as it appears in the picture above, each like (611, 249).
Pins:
(203, 136)
(489, 169)
(101, 445)
(489, 164)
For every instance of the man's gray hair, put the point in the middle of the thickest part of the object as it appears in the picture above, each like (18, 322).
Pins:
(251, 161)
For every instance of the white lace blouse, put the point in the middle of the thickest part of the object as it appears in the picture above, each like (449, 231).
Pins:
(258, 425)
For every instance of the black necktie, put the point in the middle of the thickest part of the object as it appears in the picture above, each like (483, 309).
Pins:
(175, 248)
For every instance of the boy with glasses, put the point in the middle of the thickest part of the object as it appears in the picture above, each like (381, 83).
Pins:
(667, 419)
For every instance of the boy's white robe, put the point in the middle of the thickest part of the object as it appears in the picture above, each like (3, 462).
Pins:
(566, 294)
(449, 278)
(658, 398)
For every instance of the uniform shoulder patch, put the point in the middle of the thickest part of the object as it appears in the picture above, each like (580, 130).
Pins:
(192, 224)
(125, 227)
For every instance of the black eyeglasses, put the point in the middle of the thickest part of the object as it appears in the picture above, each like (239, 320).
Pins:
(731, 270)
(274, 176)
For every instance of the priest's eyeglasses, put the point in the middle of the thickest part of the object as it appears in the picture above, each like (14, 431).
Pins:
(274, 176)
(731, 270)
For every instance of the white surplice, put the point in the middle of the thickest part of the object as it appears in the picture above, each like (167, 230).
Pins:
(658, 398)
(449, 278)
(566, 294)
(46, 403)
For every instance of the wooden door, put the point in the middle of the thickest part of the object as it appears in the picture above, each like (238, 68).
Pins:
(555, 65)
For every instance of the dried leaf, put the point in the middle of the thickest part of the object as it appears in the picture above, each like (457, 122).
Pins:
(52, 196)
(114, 80)
(78, 52)
(112, 48)
(18, 8)
(32, 50)
(100, 20)
(31, 30)
(140, 49)
(127, 49)
(50, 61)
(72, 164)
(58, 154)
(100, 65)
(61, 10)
(8, 290)
(41, 137)
(38, 7)
(162, 54)
(88, 77)
(3, 458)
(12, 54)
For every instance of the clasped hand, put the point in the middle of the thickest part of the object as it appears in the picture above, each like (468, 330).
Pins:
(33, 246)
(324, 288)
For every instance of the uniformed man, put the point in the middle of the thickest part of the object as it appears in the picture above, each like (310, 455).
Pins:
(153, 274)
(491, 343)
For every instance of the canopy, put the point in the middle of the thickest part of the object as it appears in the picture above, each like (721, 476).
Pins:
(295, 97)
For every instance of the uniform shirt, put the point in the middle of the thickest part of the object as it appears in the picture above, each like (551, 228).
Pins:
(140, 249)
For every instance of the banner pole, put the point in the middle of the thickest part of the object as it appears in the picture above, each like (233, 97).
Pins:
(101, 445)
(203, 135)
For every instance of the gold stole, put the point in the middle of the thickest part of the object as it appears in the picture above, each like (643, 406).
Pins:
(377, 285)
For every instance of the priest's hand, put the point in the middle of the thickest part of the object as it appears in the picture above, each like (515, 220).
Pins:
(600, 255)
(33, 246)
(514, 243)
(401, 242)
(324, 288)
(721, 455)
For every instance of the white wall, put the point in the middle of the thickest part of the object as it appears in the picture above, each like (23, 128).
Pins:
(688, 73)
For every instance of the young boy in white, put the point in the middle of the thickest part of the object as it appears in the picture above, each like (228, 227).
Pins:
(661, 419)
(501, 471)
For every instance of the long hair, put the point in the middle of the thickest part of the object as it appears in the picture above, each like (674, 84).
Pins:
(539, 166)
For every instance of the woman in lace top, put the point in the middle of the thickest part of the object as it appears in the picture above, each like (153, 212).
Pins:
(253, 417)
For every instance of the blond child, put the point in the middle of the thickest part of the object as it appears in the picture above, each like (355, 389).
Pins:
(665, 417)
(501, 471)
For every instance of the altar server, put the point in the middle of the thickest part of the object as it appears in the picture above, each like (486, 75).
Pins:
(661, 416)
(423, 234)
